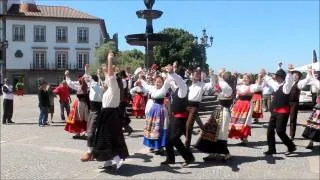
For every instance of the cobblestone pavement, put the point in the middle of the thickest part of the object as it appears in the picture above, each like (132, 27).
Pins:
(31, 152)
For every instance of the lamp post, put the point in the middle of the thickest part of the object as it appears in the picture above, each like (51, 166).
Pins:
(3, 45)
(203, 43)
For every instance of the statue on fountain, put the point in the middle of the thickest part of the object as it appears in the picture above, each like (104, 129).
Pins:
(149, 3)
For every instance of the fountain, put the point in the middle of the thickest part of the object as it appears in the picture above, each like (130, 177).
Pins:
(148, 39)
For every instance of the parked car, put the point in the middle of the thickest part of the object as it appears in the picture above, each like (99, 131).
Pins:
(306, 96)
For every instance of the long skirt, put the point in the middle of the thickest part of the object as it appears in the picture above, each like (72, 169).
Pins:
(109, 139)
(240, 125)
(257, 105)
(312, 130)
(214, 137)
(78, 117)
(154, 129)
(138, 105)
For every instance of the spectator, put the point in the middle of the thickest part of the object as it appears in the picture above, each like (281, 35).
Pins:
(7, 91)
(63, 91)
(44, 103)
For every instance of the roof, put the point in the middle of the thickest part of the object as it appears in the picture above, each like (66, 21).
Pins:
(42, 11)
(50, 11)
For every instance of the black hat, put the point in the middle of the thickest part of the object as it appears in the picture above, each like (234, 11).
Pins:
(281, 73)
(298, 72)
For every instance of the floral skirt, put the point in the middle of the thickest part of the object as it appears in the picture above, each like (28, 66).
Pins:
(74, 124)
(312, 130)
(239, 126)
(257, 106)
(154, 132)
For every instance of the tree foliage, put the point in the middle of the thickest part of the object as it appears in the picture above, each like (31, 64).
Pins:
(129, 58)
(182, 49)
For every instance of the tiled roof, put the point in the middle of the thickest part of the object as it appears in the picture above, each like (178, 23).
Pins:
(50, 11)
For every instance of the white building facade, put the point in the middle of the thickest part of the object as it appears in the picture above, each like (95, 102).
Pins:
(44, 41)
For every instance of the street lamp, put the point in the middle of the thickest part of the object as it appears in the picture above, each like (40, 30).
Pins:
(4, 44)
(203, 43)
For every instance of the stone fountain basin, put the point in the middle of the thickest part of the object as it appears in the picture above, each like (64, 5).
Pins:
(149, 14)
(153, 39)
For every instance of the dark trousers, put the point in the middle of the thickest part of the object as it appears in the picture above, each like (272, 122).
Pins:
(294, 106)
(192, 117)
(95, 109)
(314, 98)
(7, 110)
(176, 129)
(64, 105)
(124, 116)
(91, 127)
(267, 102)
(278, 122)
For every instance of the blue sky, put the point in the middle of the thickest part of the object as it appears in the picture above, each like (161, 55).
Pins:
(248, 35)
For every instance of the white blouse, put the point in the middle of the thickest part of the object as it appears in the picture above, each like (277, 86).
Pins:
(111, 97)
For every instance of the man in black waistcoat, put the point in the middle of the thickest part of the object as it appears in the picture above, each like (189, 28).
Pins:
(280, 111)
(294, 103)
(178, 118)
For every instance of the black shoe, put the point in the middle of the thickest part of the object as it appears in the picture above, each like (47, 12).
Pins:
(310, 146)
(188, 162)
(167, 162)
(129, 130)
(76, 137)
(160, 152)
(10, 122)
(290, 151)
(270, 152)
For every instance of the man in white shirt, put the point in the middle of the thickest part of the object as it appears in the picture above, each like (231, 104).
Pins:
(196, 91)
(7, 91)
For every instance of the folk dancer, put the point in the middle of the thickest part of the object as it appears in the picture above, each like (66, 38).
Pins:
(177, 123)
(109, 143)
(156, 117)
(282, 86)
(196, 91)
(79, 114)
(241, 113)
(312, 130)
(215, 132)
(95, 96)
(138, 101)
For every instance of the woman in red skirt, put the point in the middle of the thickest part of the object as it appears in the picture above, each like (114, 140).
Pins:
(138, 100)
(79, 113)
(241, 113)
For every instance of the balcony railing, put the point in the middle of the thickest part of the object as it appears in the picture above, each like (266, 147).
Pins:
(54, 67)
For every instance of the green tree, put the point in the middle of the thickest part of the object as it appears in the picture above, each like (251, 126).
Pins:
(182, 49)
(129, 58)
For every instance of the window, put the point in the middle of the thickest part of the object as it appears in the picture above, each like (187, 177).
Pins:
(62, 34)
(83, 35)
(18, 32)
(62, 60)
(82, 59)
(39, 60)
(39, 33)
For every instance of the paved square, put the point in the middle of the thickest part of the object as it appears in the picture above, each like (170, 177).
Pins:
(30, 152)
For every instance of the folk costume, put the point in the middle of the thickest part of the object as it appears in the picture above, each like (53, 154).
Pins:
(177, 121)
(241, 113)
(79, 114)
(138, 100)
(214, 136)
(109, 142)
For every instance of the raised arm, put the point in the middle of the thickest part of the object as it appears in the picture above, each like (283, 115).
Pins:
(72, 84)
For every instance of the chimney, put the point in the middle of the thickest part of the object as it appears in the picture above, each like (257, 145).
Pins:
(28, 6)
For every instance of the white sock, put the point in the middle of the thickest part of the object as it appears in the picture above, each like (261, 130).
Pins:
(107, 163)
(90, 149)
(118, 161)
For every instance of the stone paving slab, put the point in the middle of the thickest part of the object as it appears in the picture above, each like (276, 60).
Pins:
(30, 152)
